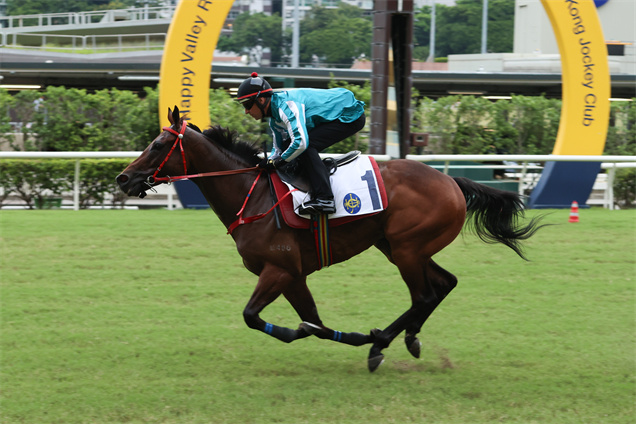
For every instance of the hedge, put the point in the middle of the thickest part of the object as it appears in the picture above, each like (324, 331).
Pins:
(35, 180)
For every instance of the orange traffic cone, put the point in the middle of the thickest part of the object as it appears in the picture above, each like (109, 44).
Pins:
(574, 212)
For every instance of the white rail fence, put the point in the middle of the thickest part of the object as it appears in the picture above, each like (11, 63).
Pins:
(523, 163)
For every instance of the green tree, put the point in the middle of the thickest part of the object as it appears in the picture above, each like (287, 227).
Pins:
(258, 29)
(64, 125)
(337, 36)
(421, 33)
(30, 7)
(6, 103)
(621, 134)
(501, 22)
(226, 112)
(536, 119)
(28, 107)
(146, 117)
(458, 28)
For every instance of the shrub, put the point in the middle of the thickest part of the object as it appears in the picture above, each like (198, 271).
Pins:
(625, 187)
(33, 181)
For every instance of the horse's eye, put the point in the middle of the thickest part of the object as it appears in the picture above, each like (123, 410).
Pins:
(156, 146)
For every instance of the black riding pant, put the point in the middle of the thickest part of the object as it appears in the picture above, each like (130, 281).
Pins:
(320, 138)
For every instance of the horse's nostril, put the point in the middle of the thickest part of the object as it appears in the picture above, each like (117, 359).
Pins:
(122, 178)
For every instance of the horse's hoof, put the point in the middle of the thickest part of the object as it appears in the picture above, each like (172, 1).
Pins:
(309, 328)
(413, 345)
(375, 362)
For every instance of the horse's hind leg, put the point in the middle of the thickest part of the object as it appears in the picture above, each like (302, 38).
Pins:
(428, 284)
(442, 282)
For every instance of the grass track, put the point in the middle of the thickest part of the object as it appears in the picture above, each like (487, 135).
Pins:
(135, 317)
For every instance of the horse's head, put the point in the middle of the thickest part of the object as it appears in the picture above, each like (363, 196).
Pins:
(164, 156)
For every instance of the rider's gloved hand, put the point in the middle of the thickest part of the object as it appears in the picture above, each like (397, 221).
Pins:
(271, 164)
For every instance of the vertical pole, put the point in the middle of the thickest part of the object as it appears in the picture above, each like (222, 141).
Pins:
(76, 188)
(379, 76)
(431, 46)
(609, 190)
(524, 170)
(484, 27)
(296, 36)
(171, 198)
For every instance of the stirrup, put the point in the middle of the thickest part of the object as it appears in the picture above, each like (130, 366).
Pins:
(333, 163)
(317, 206)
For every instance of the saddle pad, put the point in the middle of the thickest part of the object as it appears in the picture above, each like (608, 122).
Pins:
(358, 191)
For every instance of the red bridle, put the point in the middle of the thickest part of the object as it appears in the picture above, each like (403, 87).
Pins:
(153, 179)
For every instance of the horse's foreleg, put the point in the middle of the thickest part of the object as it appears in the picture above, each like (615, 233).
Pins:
(299, 296)
(271, 283)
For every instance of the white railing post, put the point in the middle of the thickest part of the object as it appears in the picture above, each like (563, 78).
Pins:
(76, 186)
(609, 190)
(524, 170)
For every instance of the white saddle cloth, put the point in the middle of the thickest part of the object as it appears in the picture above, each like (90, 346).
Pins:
(355, 188)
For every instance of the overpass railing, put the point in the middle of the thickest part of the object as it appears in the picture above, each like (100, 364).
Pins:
(74, 43)
(524, 163)
(19, 23)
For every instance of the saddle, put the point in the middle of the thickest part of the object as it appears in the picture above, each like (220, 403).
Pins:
(294, 175)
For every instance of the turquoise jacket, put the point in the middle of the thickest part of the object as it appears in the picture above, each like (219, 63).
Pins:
(296, 112)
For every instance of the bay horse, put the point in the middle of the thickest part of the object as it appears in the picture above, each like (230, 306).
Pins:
(426, 211)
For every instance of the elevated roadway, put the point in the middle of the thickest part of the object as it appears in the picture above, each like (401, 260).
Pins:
(139, 69)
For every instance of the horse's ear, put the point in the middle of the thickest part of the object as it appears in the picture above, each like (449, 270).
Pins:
(173, 115)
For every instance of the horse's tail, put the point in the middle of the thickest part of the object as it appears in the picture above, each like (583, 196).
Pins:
(495, 214)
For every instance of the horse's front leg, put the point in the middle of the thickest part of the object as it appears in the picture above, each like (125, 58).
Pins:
(299, 296)
(272, 281)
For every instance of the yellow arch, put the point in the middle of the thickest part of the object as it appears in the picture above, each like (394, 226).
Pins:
(196, 25)
(184, 77)
(585, 77)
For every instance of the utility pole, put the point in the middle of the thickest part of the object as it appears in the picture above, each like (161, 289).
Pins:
(296, 35)
(484, 27)
(431, 47)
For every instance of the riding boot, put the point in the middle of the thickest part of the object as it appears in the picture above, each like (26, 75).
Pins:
(318, 174)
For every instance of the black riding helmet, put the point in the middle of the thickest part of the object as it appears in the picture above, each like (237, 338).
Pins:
(251, 89)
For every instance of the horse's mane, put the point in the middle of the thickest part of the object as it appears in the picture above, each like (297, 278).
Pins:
(227, 139)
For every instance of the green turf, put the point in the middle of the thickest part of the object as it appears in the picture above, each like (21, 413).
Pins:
(136, 317)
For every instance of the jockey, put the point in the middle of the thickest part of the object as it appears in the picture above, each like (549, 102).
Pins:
(304, 121)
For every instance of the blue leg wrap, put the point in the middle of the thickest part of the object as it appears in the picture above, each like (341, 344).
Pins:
(268, 328)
